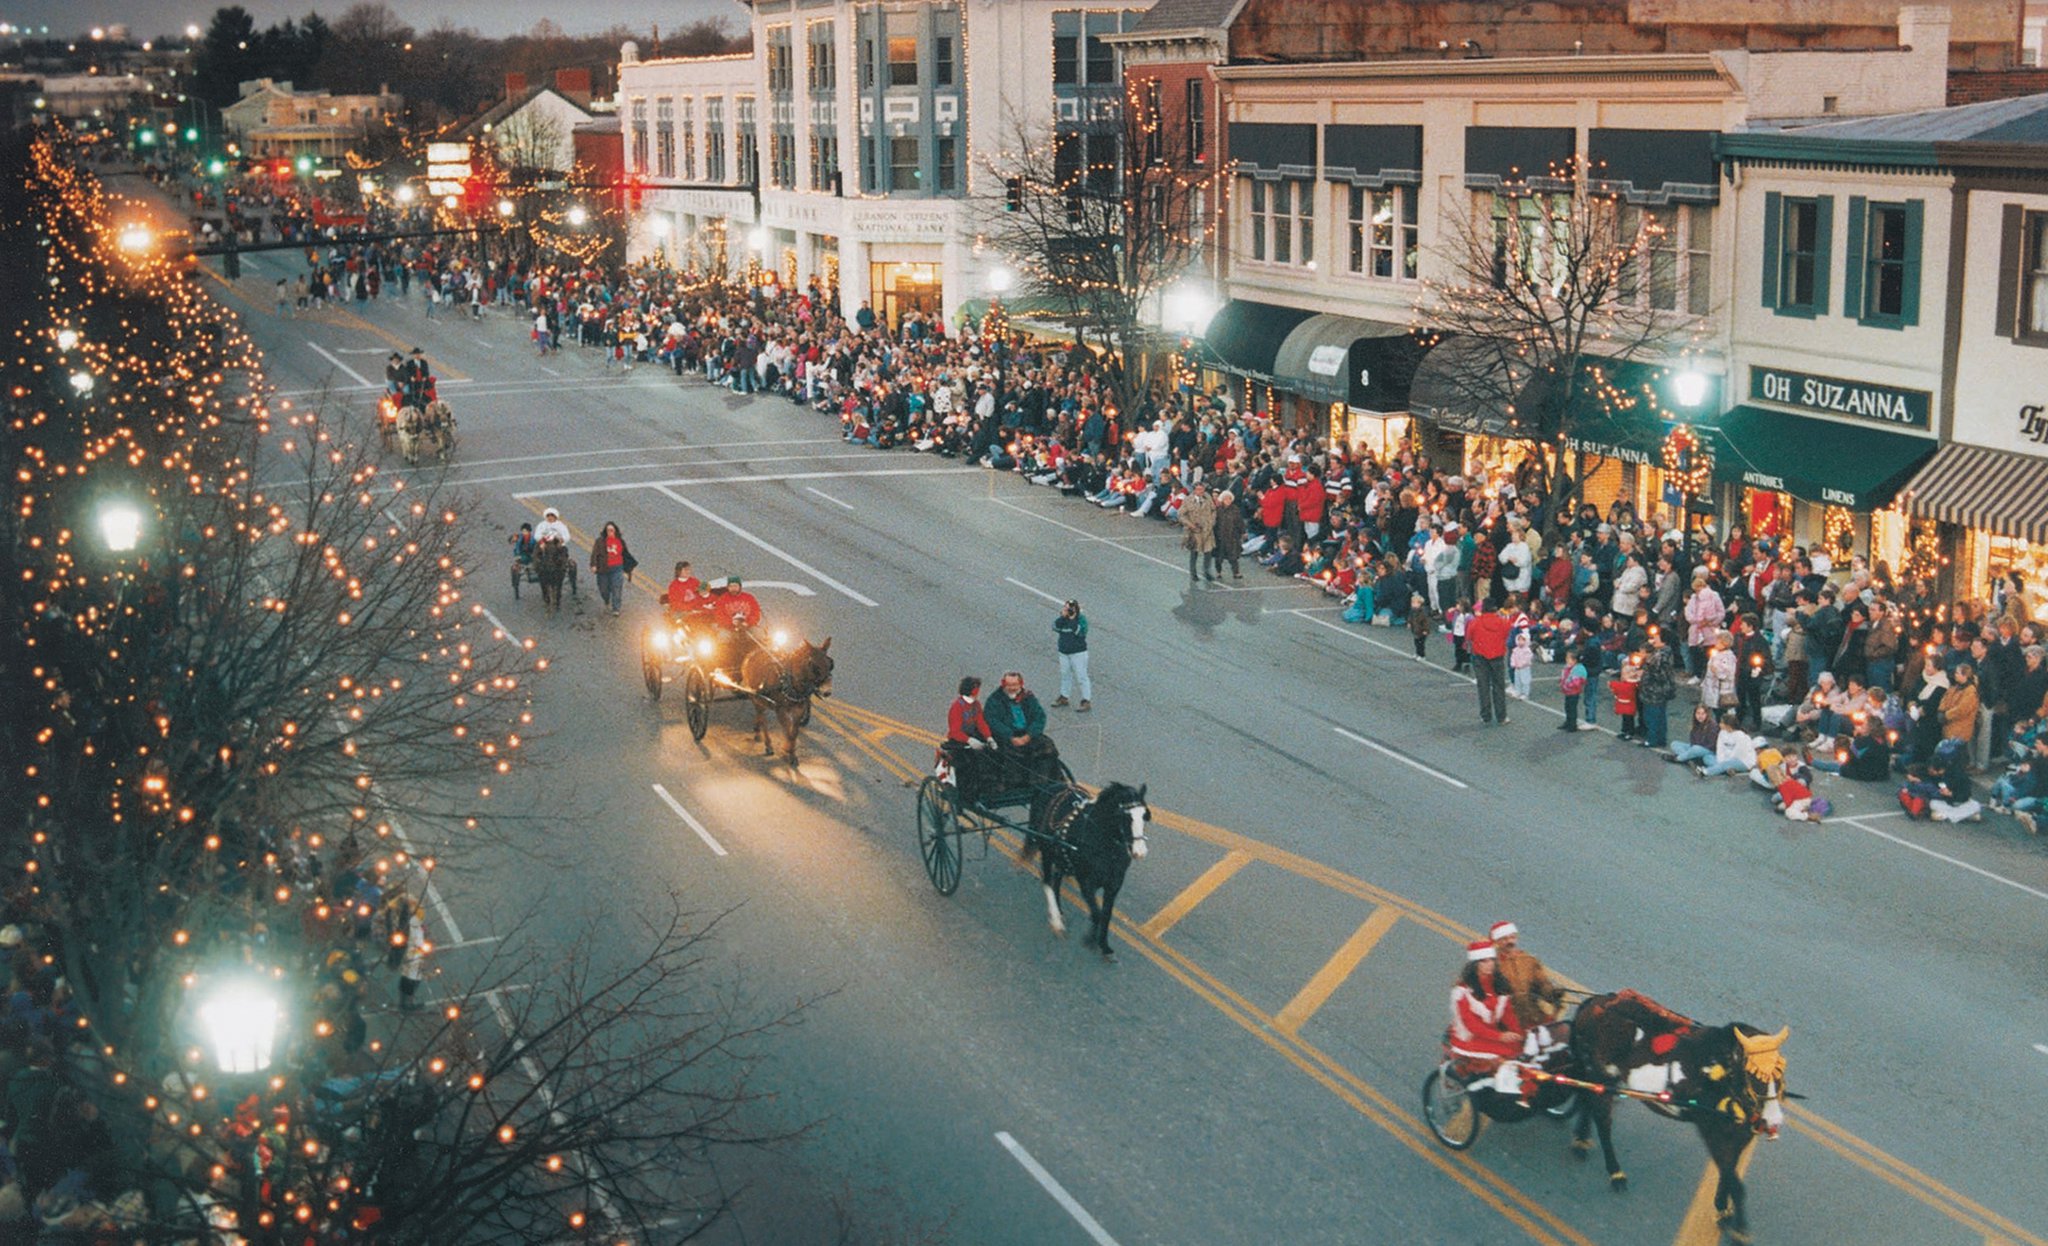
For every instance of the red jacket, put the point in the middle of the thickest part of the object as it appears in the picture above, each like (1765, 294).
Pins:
(1479, 1024)
(965, 720)
(1486, 635)
(1273, 505)
(1310, 498)
(1624, 691)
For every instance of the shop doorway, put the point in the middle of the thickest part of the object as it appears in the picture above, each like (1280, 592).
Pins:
(900, 288)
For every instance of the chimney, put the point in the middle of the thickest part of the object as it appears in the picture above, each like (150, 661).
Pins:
(515, 85)
(574, 85)
(1924, 28)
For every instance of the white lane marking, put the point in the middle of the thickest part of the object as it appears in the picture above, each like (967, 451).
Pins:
(1082, 532)
(1377, 747)
(1355, 634)
(1037, 591)
(801, 590)
(1942, 856)
(499, 623)
(335, 359)
(758, 543)
(549, 371)
(743, 480)
(828, 497)
(450, 947)
(1059, 1193)
(684, 814)
(626, 467)
(1849, 817)
(359, 350)
(2042, 1048)
(650, 450)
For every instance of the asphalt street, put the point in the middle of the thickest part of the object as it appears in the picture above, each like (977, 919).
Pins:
(1332, 822)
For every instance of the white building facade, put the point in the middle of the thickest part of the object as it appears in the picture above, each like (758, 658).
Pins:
(852, 145)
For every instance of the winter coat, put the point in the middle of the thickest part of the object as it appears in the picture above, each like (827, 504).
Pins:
(1627, 586)
(1705, 612)
(1718, 687)
(1198, 523)
(1959, 712)
(1659, 686)
(1229, 533)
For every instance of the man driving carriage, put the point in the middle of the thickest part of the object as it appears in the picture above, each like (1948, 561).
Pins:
(551, 528)
(1026, 755)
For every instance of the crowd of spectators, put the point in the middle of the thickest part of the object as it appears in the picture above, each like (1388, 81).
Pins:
(1799, 659)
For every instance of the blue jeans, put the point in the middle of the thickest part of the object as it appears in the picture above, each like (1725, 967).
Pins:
(1073, 671)
(1731, 766)
(1691, 752)
(611, 586)
(1656, 724)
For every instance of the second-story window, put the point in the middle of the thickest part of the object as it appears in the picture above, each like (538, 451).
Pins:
(714, 139)
(1282, 221)
(1154, 121)
(1101, 55)
(1383, 234)
(905, 171)
(1882, 281)
(902, 29)
(664, 138)
(689, 140)
(942, 61)
(1198, 121)
(781, 61)
(1798, 238)
(639, 155)
(821, 66)
(1066, 60)
(1672, 269)
(947, 158)
(824, 158)
(749, 140)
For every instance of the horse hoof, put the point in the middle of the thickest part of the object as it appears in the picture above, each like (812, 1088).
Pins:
(1618, 1182)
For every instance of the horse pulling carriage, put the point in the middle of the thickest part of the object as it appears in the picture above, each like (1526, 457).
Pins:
(1727, 1081)
(716, 664)
(1091, 840)
(418, 431)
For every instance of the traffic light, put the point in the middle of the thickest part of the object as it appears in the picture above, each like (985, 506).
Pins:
(1013, 194)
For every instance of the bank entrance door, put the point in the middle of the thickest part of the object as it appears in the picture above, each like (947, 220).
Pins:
(901, 287)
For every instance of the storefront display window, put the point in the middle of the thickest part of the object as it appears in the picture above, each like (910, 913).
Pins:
(1993, 555)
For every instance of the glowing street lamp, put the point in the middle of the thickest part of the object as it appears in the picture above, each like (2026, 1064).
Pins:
(81, 382)
(1689, 388)
(757, 240)
(120, 525)
(135, 239)
(505, 207)
(405, 194)
(1000, 280)
(577, 216)
(1187, 309)
(67, 338)
(658, 227)
(241, 1019)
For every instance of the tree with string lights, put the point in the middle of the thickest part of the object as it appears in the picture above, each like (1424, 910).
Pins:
(1098, 221)
(246, 682)
(1540, 297)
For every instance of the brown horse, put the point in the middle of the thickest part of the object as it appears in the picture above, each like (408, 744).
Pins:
(785, 683)
(1727, 1081)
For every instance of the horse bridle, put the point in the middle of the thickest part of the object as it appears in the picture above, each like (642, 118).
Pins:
(1136, 838)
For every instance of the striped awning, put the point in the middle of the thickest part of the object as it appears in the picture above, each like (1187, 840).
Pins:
(1979, 488)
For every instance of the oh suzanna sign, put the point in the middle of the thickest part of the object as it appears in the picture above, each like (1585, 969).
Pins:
(1880, 404)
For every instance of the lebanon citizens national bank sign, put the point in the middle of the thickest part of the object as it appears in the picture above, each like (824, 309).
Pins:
(1880, 404)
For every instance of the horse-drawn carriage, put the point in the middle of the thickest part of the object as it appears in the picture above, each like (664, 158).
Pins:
(548, 564)
(419, 431)
(1728, 1081)
(1092, 840)
(714, 663)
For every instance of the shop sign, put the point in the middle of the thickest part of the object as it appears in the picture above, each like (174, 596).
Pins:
(896, 223)
(1610, 450)
(2034, 424)
(1880, 404)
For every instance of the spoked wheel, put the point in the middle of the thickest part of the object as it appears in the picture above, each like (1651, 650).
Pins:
(697, 701)
(650, 669)
(1448, 1108)
(938, 825)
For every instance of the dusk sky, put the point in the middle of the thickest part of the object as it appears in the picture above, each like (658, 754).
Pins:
(492, 17)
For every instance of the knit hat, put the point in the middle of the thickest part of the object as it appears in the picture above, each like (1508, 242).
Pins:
(1503, 930)
(1479, 949)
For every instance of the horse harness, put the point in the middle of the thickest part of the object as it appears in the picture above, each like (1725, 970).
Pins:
(1738, 1093)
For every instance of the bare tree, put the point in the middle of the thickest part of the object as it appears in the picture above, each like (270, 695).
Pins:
(1543, 295)
(531, 141)
(1098, 220)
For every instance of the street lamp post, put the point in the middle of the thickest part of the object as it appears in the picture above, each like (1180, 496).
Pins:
(999, 282)
(241, 1018)
(120, 526)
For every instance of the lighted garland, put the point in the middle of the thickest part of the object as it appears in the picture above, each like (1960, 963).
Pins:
(1838, 529)
(1688, 461)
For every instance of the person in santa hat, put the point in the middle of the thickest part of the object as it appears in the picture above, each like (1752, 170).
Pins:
(1483, 1025)
(1537, 1000)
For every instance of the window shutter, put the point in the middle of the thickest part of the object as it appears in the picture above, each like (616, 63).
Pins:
(1909, 283)
(2011, 259)
(1853, 255)
(1823, 251)
(1774, 208)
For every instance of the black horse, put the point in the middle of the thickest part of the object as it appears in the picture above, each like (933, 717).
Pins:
(551, 563)
(1094, 845)
(1728, 1081)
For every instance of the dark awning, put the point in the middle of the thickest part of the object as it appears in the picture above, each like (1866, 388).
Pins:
(1823, 461)
(1245, 336)
(1541, 157)
(1996, 490)
(1373, 155)
(1367, 364)
(1654, 166)
(1620, 409)
(1464, 386)
(1268, 150)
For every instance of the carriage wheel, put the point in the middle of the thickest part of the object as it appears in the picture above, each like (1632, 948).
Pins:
(938, 828)
(1448, 1108)
(697, 701)
(650, 669)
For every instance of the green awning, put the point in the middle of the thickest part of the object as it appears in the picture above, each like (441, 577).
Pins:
(1365, 364)
(1621, 409)
(1830, 462)
(1245, 336)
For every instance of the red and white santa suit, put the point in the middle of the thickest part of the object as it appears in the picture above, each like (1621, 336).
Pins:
(1481, 1025)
